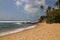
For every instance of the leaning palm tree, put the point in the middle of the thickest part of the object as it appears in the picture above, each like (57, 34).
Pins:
(40, 19)
(58, 4)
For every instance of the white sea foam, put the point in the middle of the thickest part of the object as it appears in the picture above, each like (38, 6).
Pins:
(17, 30)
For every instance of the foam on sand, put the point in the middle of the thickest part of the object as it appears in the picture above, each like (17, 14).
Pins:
(17, 30)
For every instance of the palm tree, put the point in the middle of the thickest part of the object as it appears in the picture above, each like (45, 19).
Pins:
(48, 11)
(41, 18)
(58, 4)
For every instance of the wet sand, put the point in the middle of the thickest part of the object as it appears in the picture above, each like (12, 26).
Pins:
(42, 31)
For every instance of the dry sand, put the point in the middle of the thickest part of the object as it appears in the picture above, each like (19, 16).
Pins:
(43, 31)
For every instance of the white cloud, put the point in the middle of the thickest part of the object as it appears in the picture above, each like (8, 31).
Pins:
(33, 6)
(38, 2)
(18, 3)
(30, 9)
(34, 1)
(27, 7)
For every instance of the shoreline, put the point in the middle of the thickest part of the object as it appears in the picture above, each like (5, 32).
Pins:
(17, 30)
(42, 31)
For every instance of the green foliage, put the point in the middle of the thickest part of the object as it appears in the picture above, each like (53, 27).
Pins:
(58, 3)
(49, 20)
(54, 16)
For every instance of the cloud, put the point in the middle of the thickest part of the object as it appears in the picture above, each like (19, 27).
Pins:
(18, 3)
(33, 6)
(30, 9)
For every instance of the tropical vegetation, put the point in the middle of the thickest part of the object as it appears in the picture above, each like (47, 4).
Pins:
(52, 14)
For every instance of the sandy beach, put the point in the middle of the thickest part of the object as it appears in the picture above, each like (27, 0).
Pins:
(42, 31)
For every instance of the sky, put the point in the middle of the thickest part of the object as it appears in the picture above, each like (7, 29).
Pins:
(23, 10)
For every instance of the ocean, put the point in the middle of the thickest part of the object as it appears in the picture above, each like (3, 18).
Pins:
(13, 27)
